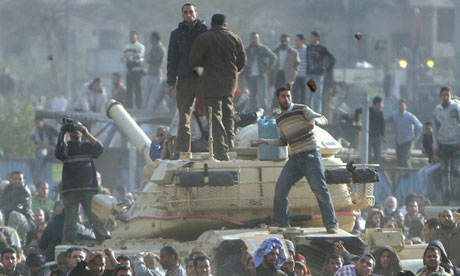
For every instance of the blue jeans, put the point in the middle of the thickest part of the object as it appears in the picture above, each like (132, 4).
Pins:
(375, 147)
(258, 89)
(316, 98)
(310, 165)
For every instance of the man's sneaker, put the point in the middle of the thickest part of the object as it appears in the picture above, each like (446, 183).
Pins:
(333, 230)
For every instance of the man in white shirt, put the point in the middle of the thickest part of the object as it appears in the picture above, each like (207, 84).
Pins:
(133, 56)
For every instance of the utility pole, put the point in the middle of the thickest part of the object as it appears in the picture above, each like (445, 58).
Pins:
(68, 71)
(365, 131)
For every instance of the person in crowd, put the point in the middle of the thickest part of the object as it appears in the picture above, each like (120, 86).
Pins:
(333, 263)
(91, 97)
(431, 225)
(158, 144)
(427, 141)
(180, 72)
(446, 144)
(449, 235)
(94, 265)
(44, 136)
(169, 260)
(119, 192)
(7, 84)
(413, 220)
(189, 268)
(299, 87)
(124, 260)
(100, 188)
(36, 265)
(422, 202)
(133, 57)
(387, 261)
(202, 265)
(261, 60)
(374, 220)
(52, 236)
(319, 62)
(221, 66)
(74, 256)
(146, 264)
(301, 268)
(16, 205)
(268, 259)
(389, 222)
(304, 152)
(286, 67)
(155, 60)
(363, 267)
(9, 262)
(391, 204)
(79, 183)
(288, 266)
(376, 130)
(432, 261)
(445, 262)
(61, 263)
(57, 272)
(59, 103)
(119, 92)
(41, 200)
(39, 216)
(122, 270)
(34, 237)
(408, 130)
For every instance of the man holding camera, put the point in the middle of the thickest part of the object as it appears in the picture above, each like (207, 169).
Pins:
(79, 183)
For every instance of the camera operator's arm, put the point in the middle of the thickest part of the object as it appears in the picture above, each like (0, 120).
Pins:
(62, 150)
(97, 147)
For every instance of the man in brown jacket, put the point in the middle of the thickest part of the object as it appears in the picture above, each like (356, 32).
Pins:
(287, 65)
(222, 55)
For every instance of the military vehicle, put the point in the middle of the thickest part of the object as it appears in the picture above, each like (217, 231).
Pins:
(198, 202)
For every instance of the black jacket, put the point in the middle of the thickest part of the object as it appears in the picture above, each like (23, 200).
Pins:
(180, 45)
(376, 123)
(52, 235)
(17, 199)
(319, 59)
(79, 171)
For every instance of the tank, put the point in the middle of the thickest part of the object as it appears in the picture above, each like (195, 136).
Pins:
(198, 202)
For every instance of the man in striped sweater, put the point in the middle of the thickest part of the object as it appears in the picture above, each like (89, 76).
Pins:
(295, 125)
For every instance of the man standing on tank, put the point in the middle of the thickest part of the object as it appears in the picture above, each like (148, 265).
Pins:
(221, 54)
(295, 126)
(180, 72)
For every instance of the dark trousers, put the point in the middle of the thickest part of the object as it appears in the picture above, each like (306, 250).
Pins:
(298, 90)
(186, 94)
(403, 153)
(133, 88)
(222, 121)
(375, 149)
(449, 160)
(71, 202)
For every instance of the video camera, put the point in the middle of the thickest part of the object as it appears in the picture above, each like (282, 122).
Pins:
(69, 125)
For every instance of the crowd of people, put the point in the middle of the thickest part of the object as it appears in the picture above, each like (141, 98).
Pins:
(206, 66)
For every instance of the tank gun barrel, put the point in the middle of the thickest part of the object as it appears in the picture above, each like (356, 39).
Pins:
(129, 127)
